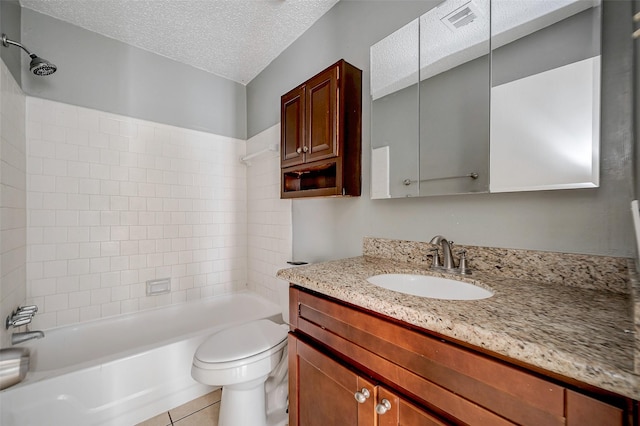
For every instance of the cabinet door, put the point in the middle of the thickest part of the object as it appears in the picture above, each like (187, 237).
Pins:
(322, 115)
(323, 392)
(292, 132)
(393, 410)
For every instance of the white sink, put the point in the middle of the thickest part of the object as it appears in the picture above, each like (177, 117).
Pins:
(432, 287)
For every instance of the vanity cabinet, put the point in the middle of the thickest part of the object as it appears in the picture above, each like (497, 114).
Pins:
(320, 134)
(336, 350)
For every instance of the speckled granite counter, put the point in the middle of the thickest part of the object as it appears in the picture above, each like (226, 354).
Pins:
(579, 332)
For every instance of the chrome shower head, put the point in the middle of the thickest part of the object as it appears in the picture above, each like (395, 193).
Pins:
(38, 66)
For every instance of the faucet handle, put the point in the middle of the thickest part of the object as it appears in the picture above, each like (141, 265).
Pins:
(17, 320)
(27, 309)
(464, 270)
(21, 316)
(436, 258)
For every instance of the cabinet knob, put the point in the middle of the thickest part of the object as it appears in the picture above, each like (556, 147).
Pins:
(361, 396)
(299, 150)
(305, 149)
(383, 407)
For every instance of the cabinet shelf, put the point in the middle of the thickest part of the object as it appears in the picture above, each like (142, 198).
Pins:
(322, 177)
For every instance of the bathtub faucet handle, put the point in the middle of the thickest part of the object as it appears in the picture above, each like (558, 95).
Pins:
(21, 316)
(31, 310)
(18, 320)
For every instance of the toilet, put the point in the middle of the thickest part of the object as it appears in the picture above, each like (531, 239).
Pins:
(249, 361)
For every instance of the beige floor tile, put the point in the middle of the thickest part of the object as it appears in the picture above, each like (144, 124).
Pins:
(204, 417)
(195, 405)
(159, 420)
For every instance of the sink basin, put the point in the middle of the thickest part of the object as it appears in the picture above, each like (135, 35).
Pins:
(428, 286)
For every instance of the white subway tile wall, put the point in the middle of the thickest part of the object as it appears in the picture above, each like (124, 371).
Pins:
(113, 202)
(13, 240)
(269, 217)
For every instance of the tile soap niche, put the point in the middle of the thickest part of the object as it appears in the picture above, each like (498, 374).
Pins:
(159, 286)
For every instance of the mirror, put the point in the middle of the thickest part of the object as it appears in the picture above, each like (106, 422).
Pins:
(502, 96)
(455, 72)
(545, 95)
(394, 113)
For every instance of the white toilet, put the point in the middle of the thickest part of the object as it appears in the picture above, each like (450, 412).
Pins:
(241, 359)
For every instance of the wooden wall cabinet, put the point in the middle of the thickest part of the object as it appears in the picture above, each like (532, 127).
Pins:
(320, 138)
(336, 350)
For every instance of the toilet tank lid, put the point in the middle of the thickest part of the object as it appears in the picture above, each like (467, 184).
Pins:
(241, 341)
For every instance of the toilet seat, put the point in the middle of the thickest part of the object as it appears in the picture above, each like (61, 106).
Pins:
(240, 345)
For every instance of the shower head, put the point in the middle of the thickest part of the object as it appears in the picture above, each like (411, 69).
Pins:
(38, 66)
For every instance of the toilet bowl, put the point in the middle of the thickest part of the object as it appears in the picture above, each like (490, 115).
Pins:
(241, 359)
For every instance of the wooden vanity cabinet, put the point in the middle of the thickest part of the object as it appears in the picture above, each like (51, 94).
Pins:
(335, 350)
(320, 137)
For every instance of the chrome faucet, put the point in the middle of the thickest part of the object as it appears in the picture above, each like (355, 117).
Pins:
(25, 336)
(447, 257)
(448, 263)
(22, 316)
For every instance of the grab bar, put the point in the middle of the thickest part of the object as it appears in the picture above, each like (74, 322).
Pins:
(472, 175)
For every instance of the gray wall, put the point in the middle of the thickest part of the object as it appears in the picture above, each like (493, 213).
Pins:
(10, 25)
(595, 221)
(101, 73)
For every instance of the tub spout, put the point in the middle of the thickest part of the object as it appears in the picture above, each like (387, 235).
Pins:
(25, 336)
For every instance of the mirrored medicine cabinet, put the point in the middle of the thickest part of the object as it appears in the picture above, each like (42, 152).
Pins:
(487, 96)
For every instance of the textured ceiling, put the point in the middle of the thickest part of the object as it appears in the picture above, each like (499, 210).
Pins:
(235, 39)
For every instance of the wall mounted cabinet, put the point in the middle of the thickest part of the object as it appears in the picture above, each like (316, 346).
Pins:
(321, 123)
(487, 96)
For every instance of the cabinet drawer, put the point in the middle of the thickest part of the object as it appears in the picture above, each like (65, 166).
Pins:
(471, 387)
(585, 411)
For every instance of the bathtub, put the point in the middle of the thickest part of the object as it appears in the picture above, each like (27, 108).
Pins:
(125, 369)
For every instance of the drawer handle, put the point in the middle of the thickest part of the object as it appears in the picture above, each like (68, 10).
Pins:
(383, 407)
(362, 395)
(299, 150)
(305, 149)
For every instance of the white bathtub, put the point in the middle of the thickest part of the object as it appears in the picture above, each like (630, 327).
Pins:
(125, 369)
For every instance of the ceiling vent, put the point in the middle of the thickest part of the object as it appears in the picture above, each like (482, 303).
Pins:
(462, 16)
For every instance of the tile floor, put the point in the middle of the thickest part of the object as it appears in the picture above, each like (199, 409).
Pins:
(201, 411)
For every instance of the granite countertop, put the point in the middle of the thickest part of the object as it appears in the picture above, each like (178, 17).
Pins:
(582, 333)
